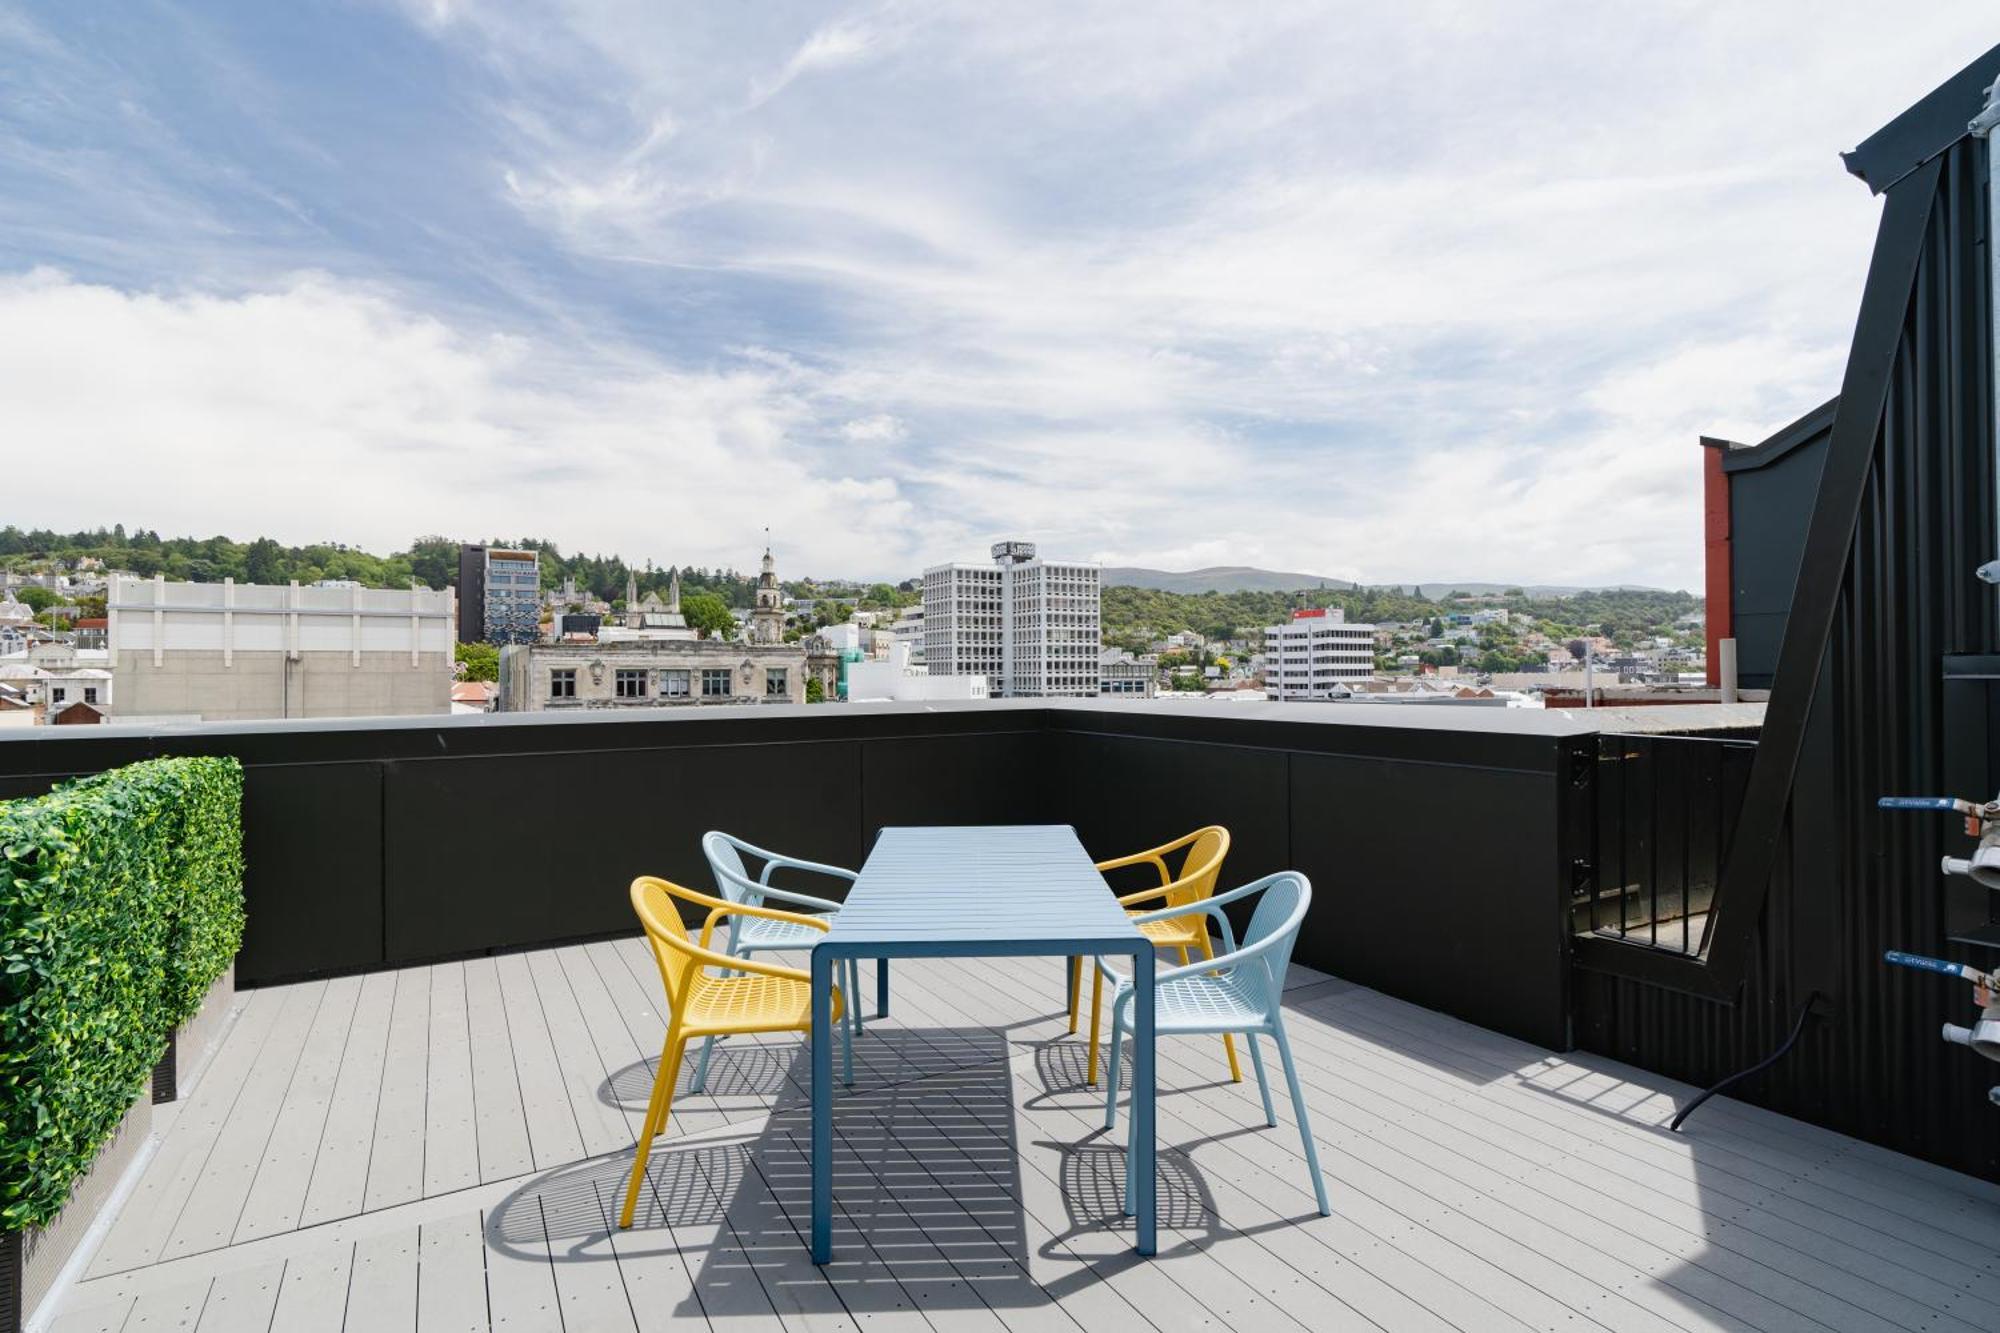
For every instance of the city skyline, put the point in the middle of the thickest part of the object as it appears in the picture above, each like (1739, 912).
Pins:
(1174, 289)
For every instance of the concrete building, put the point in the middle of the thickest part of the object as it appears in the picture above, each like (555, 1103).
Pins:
(1316, 652)
(1120, 673)
(499, 595)
(897, 679)
(223, 651)
(1033, 628)
(649, 673)
(908, 630)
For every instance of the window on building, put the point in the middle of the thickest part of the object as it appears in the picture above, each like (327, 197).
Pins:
(58, 694)
(673, 684)
(90, 694)
(714, 682)
(562, 683)
(629, 683)
(774, 682)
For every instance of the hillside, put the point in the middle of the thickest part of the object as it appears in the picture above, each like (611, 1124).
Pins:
(1248, 578)
(1135, 617)
(1216, 578)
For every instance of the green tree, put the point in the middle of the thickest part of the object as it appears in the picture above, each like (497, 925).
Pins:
(815, 691)
(264, 562)
(707, 613)
(434, 561)
(480, 660)
(35, 598)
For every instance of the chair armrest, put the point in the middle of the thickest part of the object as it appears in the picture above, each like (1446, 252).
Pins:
(704, 956)
(1224, 962)
(767, 913)
(774, 861)
(799, 899)
(1127, 899)
(1139, 859)
(1169, 913)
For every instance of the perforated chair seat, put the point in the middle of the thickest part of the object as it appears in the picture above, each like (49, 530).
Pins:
(725, 1005)
(755, 933)
(1181, 932)
(1206, 1004)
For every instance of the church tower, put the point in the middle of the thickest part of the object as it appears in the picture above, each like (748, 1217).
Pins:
(767, 618)
(633, 617)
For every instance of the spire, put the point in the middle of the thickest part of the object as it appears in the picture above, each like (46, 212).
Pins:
(674, 594)
(632, 613)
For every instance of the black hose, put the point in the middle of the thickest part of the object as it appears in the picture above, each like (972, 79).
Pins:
(1805, 1012)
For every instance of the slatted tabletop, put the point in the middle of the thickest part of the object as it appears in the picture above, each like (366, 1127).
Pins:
(984, 891)
(1023, 882)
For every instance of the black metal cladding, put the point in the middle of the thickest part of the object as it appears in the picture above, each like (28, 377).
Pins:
(1771, 492)
(1846, 881)
(377, 844)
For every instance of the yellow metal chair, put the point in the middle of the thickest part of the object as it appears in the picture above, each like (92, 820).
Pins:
(762, 997)
(1189, 887)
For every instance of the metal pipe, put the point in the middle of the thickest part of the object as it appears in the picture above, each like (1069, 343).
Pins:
(1982, 127)
(1725, 652)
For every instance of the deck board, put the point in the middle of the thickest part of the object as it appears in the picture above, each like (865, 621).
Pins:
(444, 1149)
(339, 1181)
(277, 1197)
(451, 1136)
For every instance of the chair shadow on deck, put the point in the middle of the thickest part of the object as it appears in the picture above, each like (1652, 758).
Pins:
(927, 1184)
(736, 1069)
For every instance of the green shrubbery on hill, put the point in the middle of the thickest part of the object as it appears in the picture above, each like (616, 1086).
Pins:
(1135, 617)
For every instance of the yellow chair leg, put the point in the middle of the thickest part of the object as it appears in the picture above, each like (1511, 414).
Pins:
(657, 1108)
(1075, 991)
(1096, 1001)
(1228, 1042)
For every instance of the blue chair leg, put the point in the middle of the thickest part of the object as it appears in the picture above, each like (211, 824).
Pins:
(1111, 1070)
(1299, 1111)
(1263, 1083)
(854, 994)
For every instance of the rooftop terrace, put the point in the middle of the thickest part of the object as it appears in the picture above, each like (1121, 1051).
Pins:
(441, 1147)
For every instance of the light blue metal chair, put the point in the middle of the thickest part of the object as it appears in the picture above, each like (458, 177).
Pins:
(1241, 990)
(749, 934)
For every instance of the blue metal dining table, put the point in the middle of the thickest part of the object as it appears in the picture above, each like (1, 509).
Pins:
(990, 891)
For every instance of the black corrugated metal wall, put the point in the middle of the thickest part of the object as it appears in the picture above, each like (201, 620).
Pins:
(1850, 881)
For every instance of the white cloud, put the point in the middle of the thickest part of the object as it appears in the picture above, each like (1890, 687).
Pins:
(1409, 292)
(878, 429)
(322, 411)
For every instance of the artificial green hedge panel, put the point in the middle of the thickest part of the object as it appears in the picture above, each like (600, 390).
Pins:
(121, 902)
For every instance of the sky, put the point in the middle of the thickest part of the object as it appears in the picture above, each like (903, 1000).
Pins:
(1384, 292)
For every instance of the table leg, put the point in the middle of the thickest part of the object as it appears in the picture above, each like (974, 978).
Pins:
(881, 988)
(1143, 1171)
(822, 1106)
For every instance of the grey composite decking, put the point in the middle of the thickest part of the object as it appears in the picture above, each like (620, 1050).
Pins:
(443, 1148)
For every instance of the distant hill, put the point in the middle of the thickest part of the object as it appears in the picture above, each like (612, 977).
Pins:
(1446, 587)
(1246, 578)
(1217, 578)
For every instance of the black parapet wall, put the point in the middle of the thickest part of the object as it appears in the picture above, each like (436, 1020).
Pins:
(1435, 836)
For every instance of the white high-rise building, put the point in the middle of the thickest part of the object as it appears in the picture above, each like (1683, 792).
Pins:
(1033, 628)
(1316, 651)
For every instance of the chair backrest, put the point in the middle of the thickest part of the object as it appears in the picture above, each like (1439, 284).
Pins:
(1200, 867)
(657, 903)
(725, 862)
(1281, 910)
